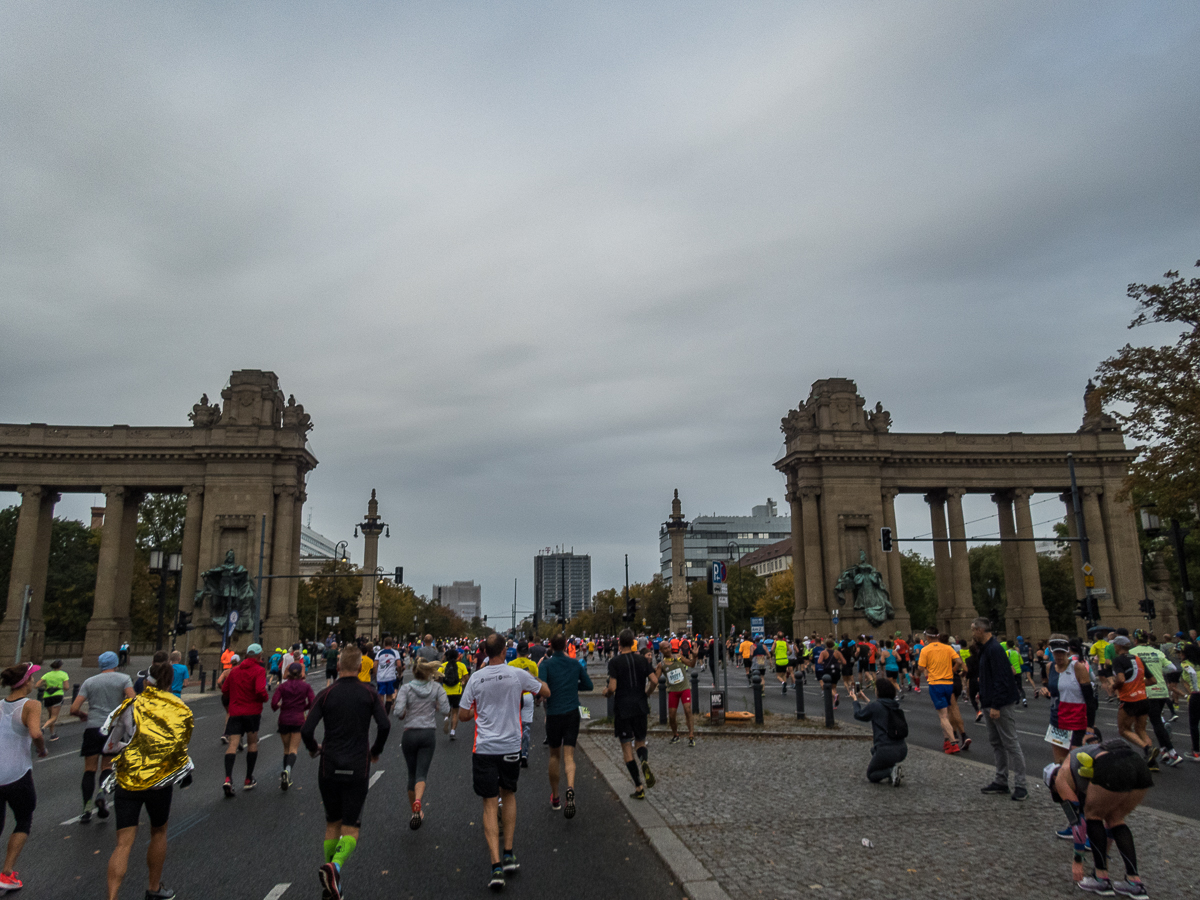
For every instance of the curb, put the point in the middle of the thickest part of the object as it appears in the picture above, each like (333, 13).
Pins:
(697, 882)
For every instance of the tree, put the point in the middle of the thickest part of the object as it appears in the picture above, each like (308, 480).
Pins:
(70, 581)
(323, 597)
(920, 589)
(1162, 385)
(987, 573)
(778, 602)
(1058, 591)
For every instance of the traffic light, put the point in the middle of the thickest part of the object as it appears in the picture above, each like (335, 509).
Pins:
(399, 579)
(1147, 608)
(710, 578)
(630, 608)
(885, 539)
(183, 622)
(1082, 610)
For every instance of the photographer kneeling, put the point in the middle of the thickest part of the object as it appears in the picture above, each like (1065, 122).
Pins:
(889, 728)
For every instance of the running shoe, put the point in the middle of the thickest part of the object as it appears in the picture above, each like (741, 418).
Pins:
(917, 689)
(897, 775)
(639, 794)
(250, 784)
(496, 882)
(415, 822)
(509, 861)
(569, 809)
(1174, 716)
(524, 762)
(1020, 794)
(224, 739)
(54, 737)
(691, 742)
(285, 780)
(978, 718)
(101, 806)
(555, 804)
(1131, 888)
(647, 774)
(674, 739)
(86, 816)
(10, 882)
(163, 892)
(1170, 758)
(331, 881)
(446, 725)
(995, 788)
(965, 743)
(1065, 834)
(1193, 756)
(950, 747)
(1094, 885)
(228, 786)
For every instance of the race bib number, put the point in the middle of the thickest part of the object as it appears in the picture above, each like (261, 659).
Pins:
(1058, 737)
(674, 676)
(584, 712)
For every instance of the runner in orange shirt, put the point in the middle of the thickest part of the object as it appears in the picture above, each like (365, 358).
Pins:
(940, 662)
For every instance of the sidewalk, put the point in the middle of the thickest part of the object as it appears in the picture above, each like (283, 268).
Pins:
(779, 818)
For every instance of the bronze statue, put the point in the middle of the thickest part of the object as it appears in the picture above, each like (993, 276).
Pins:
(866, 584)
(227, 588)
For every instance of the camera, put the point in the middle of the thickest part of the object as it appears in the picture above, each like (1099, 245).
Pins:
(857, 687)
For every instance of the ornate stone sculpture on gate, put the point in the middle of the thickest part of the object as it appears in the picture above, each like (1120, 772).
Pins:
(227, 588)
(865, 583)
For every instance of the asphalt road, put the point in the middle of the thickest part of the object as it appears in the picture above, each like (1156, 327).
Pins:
(1177, 790)
(266, 844)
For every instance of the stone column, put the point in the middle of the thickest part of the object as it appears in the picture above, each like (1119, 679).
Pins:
(278, 626)
(894, 573)
(189, 573)
(1013, 587)
(31, 557)
(1098, 550)
(1076, 554)
(964, 604)
(1124, 552)
(799, 584)
(942, 575)
(678, 598)
(814, 571)
(102, 632)
(294, 560)
(368, 599)
(1035, 622)
(125, 560)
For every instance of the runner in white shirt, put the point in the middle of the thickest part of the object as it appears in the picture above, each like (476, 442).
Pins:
(387, 673)
(492, 698)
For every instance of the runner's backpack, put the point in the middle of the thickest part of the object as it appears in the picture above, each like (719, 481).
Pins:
(450, 674)
(897, 725)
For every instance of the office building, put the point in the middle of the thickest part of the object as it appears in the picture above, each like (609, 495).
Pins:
(561, 576)
(315, 551)
(726, 538)
(464, 598)
(770, 559)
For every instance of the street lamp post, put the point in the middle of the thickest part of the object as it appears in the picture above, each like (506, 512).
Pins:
(163, 563)
(339, 555)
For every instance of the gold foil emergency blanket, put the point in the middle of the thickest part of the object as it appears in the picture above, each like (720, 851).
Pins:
(159, 748)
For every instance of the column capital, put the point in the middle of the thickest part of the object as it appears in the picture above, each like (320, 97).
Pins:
(32, 491)
(1000, 497)
(955, 493)
(193, 490)
(1090, 491)
(281, 489)
(1023, 493)
(111, 490)
(809, 493)
(890, 493)
(937, 496)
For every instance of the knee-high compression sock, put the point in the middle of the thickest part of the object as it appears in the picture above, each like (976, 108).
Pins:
(251, 759)
(1123, 838)
(643, 754)
(632, 766)
(345, 846)
(330, 849)
(89, 786)
(1098, 837)
(230, 759)
(289, 760)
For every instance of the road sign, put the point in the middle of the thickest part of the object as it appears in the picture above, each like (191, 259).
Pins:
(719, 572)
(1089, 581)
(233, 616)
(716, 707)
(756, 624)
(1087, 569)
(610, 609)
(835, 617)
(722, 596)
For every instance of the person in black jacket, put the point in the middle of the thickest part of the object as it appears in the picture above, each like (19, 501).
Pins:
(998, 698)
(888, 752)
(346, 707)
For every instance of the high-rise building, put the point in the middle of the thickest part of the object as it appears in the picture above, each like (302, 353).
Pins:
(561, 576)
(464, 598)
(726, 538)
(316, 550)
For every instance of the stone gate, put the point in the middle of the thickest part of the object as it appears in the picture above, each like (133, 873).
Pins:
(845, 467)
(238, 462)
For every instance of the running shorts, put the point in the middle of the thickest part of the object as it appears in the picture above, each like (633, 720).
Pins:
(343, 799)
(780, 670)
(93, 742)
(941, 695)
(129, 806)
(22, 797)
(493, 773)
(455, 700)
(1122, 771)
(630, 728)
(1173, 677)
(51, 702)
(243, 724)
(331, 673)
(387, 688)
(1105, 671)
(288, 729)
(903, 664)
(563, 729)
(675, 697)
(1135, 708)
(871, 667)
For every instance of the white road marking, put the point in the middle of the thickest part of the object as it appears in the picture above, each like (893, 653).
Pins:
(374, 778)
(71, 821)
(59, 755)
(277, 891)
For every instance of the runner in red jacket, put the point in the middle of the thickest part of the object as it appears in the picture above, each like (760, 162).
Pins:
(246, 688)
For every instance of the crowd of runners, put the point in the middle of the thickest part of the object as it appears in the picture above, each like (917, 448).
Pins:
(137, 730)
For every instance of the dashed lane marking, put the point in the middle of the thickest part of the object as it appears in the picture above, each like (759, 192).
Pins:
(276, 892)
(374, 778)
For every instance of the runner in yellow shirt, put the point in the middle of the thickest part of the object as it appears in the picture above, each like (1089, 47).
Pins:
(523, 661)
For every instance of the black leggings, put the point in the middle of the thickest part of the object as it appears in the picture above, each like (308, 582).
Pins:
(883, 760)
(417, 745)
(21, 796)
(1194, 720)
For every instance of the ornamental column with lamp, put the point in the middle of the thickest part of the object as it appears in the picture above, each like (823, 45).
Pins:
(676, 528)
(371, 527)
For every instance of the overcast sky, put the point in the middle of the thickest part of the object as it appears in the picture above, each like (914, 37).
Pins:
(531, 267)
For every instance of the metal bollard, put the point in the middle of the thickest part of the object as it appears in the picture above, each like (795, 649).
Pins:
(662, 703)
(214, 680)
(695, 692)
(827, 685)
(612, 706)
(799, 701)
(756, 685)
(74, 692)
(202, 679)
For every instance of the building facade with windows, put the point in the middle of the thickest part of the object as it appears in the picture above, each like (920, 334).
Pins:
(565, 576)
(727, 538)
(464, 598)
(768, 560)
(315, 551)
